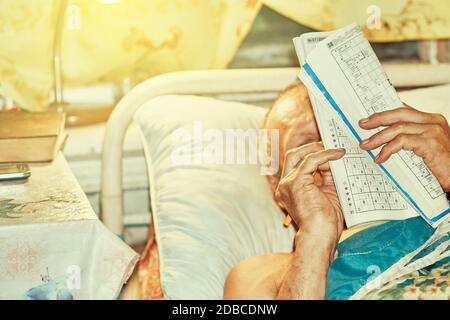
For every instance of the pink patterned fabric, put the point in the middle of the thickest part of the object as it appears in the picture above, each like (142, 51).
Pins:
(149, 271)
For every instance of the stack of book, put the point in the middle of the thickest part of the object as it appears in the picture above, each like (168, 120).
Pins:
(31, 137)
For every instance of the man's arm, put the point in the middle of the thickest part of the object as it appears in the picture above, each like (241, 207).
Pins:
(308, 193)
(306, 276)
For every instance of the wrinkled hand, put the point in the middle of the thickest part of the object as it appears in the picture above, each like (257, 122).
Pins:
(307, 192)
(426, 134)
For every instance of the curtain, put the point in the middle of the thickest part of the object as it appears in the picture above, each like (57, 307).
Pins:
(107, 40)
(399, 20)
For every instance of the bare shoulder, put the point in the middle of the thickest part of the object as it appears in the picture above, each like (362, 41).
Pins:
(257, 277)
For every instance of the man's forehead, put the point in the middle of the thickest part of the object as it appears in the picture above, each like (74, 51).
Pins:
(292, 107)
(292, 114)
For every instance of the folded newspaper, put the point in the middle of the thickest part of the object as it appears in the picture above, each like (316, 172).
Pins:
(346, 83)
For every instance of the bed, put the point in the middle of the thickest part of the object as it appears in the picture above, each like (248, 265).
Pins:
(257, 86)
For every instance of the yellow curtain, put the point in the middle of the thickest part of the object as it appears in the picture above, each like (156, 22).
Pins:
(400, 20)
(107, 41)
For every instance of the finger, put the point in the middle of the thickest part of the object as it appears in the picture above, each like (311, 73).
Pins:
(313, 161)
(309, 166)
(407, 142)
(389, 134)
(325, 172)
(404, 114)
(436, 118)
(405, 105)
(324, 168)
(296, 155)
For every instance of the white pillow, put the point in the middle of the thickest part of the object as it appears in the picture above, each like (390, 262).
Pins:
(207, 217)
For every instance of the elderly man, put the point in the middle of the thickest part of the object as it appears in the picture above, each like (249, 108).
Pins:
(305, 189)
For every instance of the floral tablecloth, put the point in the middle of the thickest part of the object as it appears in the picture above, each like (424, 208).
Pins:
(52, 245)
(430, 283)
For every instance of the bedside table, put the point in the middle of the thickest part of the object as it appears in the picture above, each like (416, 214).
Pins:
(52, 245)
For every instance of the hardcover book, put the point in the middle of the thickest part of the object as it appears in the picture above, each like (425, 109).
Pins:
(31, 137)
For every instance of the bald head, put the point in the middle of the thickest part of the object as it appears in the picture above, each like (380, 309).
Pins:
(293, 116)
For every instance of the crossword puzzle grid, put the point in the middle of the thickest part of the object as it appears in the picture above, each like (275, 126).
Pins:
(342, 140)
(367, 189)
(360, 65)
(362, 69)
(423, 174)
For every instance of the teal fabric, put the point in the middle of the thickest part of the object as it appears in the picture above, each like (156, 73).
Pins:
(439, 264)
(431, 248)
(372, 251)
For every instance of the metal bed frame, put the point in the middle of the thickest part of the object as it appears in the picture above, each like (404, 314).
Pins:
(212, 82)
(239, 81)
